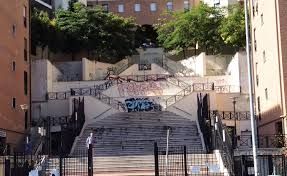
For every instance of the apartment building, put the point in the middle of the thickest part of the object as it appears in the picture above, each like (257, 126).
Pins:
(14, 67)
(144, 11)
(269, 44)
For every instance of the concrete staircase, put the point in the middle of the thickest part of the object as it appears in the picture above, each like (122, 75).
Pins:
(135, 133)
(124, 146)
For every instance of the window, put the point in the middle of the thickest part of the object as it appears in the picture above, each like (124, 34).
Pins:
(13, 66)
(105, 7)
(25, 50)
(257, 77)
(121, 8)
(137, 7)
(169, 6)
(186, 5)
(25, 83)
(262, 20)
(264, 56)
(14, 102)
(266, 94)
(255, 42)
(25, 16)
(279, 128)
(153, 7)
(259, 108)
(14, 30)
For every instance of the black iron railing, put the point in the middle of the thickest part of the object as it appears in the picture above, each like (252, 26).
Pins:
(222, 141)
(230, 115)
(264, 141)
(204, 120)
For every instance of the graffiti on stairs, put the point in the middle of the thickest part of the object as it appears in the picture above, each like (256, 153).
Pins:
(142, 104)
(142, 89)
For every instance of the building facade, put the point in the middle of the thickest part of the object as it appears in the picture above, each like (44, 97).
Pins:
(269, 43)
(144, 11)
(14, 77)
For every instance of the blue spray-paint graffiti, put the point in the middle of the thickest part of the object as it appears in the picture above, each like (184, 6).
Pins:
(141, 104)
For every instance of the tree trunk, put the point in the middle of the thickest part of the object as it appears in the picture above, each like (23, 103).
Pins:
(42, 53)
(184, 54)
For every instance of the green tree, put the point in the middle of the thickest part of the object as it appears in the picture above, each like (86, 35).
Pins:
(102, 34)
(232, 28)
(73, 26)
(41, 29)
(197, 26)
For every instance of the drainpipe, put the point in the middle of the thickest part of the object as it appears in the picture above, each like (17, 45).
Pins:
(283, 116)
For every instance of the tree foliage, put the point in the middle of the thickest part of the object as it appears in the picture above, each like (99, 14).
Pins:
(200, 26)
(232, 28)
(100, 34)
(41, 28)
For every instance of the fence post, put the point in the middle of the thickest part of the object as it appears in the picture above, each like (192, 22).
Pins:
(7, 166)
(15, 164)
(61, 164)
(185, 161)
(90, 160)
(156, 168)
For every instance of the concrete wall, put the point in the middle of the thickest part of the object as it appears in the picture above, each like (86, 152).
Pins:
(93, 108)
(67, 71)
(139, 89)
(54, 108)
(217, 65)
(150, 54)
(66, 86)
(88, 68)
(39, 82)
(134, 70)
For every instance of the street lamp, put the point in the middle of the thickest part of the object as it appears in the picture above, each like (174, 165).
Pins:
(235, 117)
(24, 108)
(250, 81)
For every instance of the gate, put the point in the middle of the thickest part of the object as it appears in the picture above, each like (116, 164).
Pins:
(183, 161)
(19, 164)
(80, 163)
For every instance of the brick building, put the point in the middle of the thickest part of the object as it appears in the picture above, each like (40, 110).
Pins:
(14, 67)
(269, 44)
(144, 11)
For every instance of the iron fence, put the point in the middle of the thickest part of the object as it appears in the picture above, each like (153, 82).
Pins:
(230, 115)
(267, 165)
(264, 141)
(19, 163)
(185, 161)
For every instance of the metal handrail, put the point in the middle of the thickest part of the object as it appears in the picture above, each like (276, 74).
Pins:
(223, 143)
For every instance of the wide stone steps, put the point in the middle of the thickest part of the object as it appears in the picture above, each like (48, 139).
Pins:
(129, 165)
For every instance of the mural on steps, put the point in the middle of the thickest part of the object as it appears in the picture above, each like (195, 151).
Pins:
(141, 104)
(142, 89)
